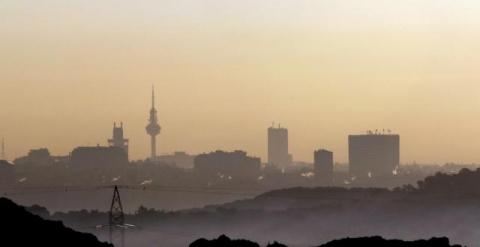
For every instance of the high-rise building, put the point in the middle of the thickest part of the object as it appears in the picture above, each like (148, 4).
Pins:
(153, 128)
(117, 138)
(7, 174)
(323, 166)
(373, 154)
(278, 147)
(3, 154)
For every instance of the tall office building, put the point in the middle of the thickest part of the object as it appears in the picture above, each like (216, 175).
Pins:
(323, 166)
(7, 174)
(153, 128)
(117, 139)
(3, 154)
(373, 154)
(278, 147)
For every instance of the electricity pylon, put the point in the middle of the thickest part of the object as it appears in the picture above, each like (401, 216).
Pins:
(116, 219)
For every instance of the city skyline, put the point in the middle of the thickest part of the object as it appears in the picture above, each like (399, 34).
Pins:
(343, 158)
(224, 70)
(240, 122)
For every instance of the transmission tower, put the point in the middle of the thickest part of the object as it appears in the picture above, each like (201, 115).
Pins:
(116, 219)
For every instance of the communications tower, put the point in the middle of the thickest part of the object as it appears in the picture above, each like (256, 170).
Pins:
(153, 128)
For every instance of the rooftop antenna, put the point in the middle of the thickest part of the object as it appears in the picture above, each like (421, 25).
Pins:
(153, 96)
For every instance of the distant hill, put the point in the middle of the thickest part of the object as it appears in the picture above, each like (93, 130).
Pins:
(440, 205)
(21, 228)
(440, 189)
(381, 242)
(224, 241)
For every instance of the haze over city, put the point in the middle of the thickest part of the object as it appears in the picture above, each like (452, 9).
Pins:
(225, 70)
(240, 123)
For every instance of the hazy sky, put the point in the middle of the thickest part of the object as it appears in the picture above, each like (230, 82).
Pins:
(224, 70)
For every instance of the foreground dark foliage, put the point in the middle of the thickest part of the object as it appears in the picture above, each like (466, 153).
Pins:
(224, 241)
(21, 228)
(381, 242)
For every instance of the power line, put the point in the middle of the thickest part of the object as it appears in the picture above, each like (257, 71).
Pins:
(220, 191)
(53, 189)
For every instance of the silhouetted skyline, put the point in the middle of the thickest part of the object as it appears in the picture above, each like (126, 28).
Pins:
(195, 156)
(224, 70)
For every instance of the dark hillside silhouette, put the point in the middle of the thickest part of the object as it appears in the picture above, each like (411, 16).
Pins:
(381, 242)
(276, 244)
(21, 228)
(298, 215)
(224, 241)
